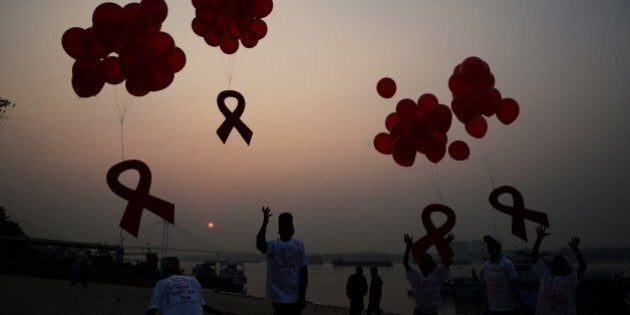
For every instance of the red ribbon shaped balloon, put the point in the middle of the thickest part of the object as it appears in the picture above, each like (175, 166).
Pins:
(139, 198)
(233, 119)
(518, 211)
(435, 236)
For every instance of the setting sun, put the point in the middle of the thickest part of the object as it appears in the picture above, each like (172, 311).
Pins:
(210, 224)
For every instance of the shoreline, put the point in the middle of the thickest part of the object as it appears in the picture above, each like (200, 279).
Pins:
(31, 295)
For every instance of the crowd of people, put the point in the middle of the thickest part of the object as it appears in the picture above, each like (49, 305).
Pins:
(287, 279)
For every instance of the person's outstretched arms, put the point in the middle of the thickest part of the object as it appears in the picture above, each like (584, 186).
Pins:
(408, 242)
(574, 243)
(541, 232)
(261, 242)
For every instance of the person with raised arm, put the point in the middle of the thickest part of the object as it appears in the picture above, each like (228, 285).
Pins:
(559, 280)
(287, 273)
(426, 283)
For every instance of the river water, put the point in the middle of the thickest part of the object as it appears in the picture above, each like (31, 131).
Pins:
(327, 285)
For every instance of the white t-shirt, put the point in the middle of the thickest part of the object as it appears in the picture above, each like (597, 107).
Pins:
(556, 294)
(427, 289)
(284, 260)
(498, 276)
(177, 295)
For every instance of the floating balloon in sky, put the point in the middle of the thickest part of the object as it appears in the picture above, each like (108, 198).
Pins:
(416, 127)
(123, 44)
(225, 24)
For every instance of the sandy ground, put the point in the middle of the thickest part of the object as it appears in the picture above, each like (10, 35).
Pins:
(27, 295)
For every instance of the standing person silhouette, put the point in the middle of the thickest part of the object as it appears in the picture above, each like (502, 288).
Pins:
(558, 282)
(499, 273)
(376, 290)
(356, 289)
(287, 272)
(426, 283)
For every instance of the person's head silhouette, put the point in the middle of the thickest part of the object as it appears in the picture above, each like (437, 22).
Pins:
(285, 226)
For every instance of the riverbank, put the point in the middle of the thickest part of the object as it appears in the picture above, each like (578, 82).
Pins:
(28, 295)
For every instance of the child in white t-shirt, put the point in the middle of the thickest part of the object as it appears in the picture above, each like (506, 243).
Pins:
(427, 282)
(559, 281)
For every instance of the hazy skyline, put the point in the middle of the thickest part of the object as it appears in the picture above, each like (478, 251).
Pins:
(311, 101)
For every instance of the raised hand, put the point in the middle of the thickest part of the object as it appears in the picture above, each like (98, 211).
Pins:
(450, 238)
(541, 232)
(408, 240)
(574, 243)
(266, 214)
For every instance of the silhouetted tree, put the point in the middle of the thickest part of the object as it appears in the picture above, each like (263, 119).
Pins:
(8, 227)
(5, 106)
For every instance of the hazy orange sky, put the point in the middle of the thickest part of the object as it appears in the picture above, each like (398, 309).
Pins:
(312, 104)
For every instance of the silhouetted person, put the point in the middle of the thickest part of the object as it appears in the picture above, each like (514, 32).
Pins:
(558, 281)
(356, 289)
(80, 269)
(177, 294)
(499, 273)
(287, 273)
(376, 290)
(426, 284)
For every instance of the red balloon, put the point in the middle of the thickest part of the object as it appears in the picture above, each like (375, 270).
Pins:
(426, 102)
(199, 27)
(386, 87)
(212, 38)
(404, 151)
(248, 42)
(77, 43)
(435, 153)
(474, 69)
(258, 29)
(391, 120)
(113, 70)
(161, 76)
(458, 85)
(177, 60)
(441, 117)
(458, 150)
(262, 8)
(88, 77)
(161, 45)
(508, 111)
(477, 127)
(406, 109)
(137, 84)
(383, 143)
(137, 19)
(229, 45)
(491, 102)
(462, 108)
(158, 11)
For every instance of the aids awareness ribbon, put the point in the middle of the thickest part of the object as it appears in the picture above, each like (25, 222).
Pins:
(435, 236)
(233, 119)
(139, 198)
(518, 211)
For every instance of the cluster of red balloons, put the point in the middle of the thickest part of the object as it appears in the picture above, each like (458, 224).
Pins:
(474, 96)
(123, 43)
(417, 127)
(224, 22)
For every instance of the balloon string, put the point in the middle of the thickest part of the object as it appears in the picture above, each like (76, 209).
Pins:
(433, 180)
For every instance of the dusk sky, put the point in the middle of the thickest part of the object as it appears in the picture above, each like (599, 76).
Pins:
(310, 89)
